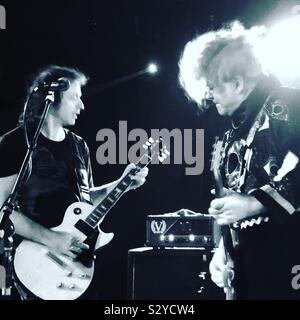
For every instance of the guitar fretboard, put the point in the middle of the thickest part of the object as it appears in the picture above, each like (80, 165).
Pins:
(110, 200)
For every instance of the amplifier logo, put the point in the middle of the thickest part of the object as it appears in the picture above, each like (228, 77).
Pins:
(158, 227)
(2, 277)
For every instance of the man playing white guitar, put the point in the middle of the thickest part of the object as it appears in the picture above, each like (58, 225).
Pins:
(60, 171)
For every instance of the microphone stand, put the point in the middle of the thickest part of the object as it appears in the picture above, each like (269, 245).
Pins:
(6, 226)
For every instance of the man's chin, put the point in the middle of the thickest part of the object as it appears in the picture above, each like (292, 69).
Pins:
(69, 123)
(222, 112)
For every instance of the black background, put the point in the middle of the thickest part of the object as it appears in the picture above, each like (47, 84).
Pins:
(110, 40)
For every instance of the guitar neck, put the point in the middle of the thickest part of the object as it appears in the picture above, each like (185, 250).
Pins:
(228, 273)
(219, 189)
(94, 218)
(225, 229)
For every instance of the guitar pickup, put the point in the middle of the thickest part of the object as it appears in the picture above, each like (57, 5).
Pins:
(60, 263)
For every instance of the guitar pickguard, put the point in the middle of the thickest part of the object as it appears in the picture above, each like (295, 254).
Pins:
(87, 256)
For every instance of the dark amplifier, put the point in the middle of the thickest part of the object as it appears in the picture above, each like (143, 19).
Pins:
(183, 228)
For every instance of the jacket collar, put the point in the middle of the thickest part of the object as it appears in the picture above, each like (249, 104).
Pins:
(243, 117)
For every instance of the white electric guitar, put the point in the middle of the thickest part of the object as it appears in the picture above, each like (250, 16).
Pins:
(52, 276)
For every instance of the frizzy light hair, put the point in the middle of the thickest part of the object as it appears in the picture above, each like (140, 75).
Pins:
(223, 59)
(217, 57)
(35, 99)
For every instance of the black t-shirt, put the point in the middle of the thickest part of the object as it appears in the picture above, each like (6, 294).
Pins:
(51, 186)
(12, 151)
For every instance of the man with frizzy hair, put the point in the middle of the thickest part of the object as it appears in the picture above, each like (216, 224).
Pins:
(259, 162)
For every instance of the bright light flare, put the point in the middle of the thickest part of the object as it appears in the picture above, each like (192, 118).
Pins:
(192, 237)
(152, 68)
(279, 52)
(171, 237)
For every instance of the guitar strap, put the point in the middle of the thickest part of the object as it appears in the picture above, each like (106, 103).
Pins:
(258, 123)
(80, 167)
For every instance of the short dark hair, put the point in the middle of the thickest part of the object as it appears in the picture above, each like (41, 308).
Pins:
(48, 74)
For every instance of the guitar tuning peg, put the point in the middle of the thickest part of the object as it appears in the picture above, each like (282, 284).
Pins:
(167, 152)
(144, 146)
(151, 140)
(163, 156)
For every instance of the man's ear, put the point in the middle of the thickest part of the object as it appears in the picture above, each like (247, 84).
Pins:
(239, 84)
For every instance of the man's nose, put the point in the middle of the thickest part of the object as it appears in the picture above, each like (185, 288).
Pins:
(81, 105)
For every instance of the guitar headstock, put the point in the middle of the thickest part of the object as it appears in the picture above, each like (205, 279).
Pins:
(217, 155)
(164, 153)
(156, 148)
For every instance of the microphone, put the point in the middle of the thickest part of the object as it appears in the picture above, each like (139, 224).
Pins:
(62, 84)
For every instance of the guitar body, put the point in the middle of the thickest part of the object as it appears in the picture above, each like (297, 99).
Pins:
(228, 273)
(52, 276)
(228, 276)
